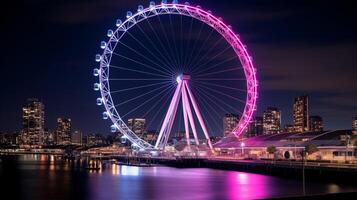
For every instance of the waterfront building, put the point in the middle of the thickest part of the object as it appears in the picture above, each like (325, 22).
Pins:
(316, 123)
(230, 122)
(8, 139)
(355, 123)
(137, 125)
(63, 131)
(77, 138)
(255, 128)
(301, 114)
(331, 146)
(271, 120)
(33, 122)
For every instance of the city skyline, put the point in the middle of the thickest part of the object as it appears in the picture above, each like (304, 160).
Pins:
(270, 122)
(278, 56)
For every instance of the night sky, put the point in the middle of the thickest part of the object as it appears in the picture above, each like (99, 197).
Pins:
(299, 47)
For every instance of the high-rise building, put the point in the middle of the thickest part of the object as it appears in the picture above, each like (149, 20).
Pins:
(230, 122)
(137, 125)
(355, 123)
(33, 122)
(255, 128)
(63, 131)
(77, 138)
(301, 114)
(271, 121)
(315, 123)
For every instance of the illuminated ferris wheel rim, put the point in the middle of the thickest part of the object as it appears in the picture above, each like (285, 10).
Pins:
(174, 9)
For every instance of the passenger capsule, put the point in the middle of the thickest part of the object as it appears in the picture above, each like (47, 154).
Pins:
(99, 101)
(175, 2)
(110, 33)
(164, 2)
(105, 115)
(119, 22)
(129, 14)
(96, 72)
(187, 3)
(152, 4)
(96, 87)
(103, 45)
(140, 8)
(113, 128)
(98, 58)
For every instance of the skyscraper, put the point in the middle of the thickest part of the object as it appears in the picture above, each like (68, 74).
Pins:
(63, 131)
(137, 125)
(355, 123)
(230, 122)
(77, 138)
(301, 114)
(316, 123)
(255, 128)
(271, 121)
(33, 122)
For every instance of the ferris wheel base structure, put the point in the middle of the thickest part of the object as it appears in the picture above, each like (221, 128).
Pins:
(183, 91)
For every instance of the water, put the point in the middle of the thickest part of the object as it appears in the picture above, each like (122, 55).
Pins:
(50, 177)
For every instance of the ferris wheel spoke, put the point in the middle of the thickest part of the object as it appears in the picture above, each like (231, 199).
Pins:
(215, 65)
(195, 44)
(138, 79)
(214, 57)
(145, 57)
(187, 46)
(211, 97)
(140, 96)
(138, 71)
(219, 72)
(217, 109)
(142, 64)
(221, 93)
(164, 96)
(160, 109)
(145, 102)
(198, 56)
(170, 57)
(174, 41)
(211, 108)
(220, 79)
(221, 86)
(138, 87)
(167, 63)
(181, 44)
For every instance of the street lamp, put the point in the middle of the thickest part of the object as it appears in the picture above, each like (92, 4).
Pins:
(242, 145)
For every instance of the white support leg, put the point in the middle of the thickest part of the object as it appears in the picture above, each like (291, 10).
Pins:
(198, 113)
(171, 122)
(185, 117)
(168, 116)
(190, 116)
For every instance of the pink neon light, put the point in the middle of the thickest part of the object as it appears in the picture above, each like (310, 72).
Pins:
(187, 129)
(198, 13)
(189, 112)
(199, 116)
(169, 114)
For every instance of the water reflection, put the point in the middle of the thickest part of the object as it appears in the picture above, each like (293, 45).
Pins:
(52, 177)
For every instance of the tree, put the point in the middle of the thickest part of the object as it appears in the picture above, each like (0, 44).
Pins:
(271, 149)
(311, 148)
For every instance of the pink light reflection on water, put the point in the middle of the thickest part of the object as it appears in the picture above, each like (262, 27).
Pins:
(247, 186)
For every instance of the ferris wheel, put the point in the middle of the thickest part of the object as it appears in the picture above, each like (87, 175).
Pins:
(178, 67)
